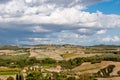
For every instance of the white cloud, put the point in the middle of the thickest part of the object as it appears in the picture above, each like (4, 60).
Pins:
(28, 1)
(62, 37)
(65, 15)
(38, 29)
(83, 30)
(111, 39)
(101, 32)
(48, 12)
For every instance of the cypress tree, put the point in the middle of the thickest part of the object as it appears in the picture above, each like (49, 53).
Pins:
(19, 76)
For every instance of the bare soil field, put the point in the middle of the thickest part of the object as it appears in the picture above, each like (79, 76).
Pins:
(45, 54)
(4, 77)
(59, 53)
(112, 78)
(5, 52)
(93, 68)
(82, 55)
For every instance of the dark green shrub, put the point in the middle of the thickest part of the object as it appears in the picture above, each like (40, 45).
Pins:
(10, 78)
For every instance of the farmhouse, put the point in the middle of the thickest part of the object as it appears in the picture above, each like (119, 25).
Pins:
(55, 69)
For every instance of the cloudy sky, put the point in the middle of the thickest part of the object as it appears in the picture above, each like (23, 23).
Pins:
(80, 22)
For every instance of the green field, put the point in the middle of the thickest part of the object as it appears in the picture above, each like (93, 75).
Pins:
(68, 55)
(23, 56)
(9, 71)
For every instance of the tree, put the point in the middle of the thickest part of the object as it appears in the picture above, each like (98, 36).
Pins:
(71, 78)
(19, 76)
(118, 73)
(105, 72)
(34, 75)
(10, 78)
(48, 61)
(31, 61)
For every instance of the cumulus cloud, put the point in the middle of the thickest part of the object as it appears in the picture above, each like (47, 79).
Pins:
(101, 31)
(4, 1)
(83, 30)
(34, 19)
(63, 17)
(38, 29)
(111, 39)
(62, 37)
(63, 3)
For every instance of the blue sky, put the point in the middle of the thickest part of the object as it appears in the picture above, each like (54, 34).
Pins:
(108, 7)
(79, 22)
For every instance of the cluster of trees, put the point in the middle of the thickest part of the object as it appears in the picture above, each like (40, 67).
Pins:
(117, 52)
(19, 63)
(71, 63)
(118, 73)
(10, 78)
(65, 64)
(95, 59)
(105, 72)
(37, 75)
(78, 61)
(9, 47)
(48, 61)
(19, 76)
(34, 75)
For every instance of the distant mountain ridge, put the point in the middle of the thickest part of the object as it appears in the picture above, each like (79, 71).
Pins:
(103, 45)
(16, 46)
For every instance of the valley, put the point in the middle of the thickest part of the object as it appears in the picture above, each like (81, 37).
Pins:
(76, 62)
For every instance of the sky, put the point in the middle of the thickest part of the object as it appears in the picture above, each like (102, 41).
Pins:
(78, 22)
